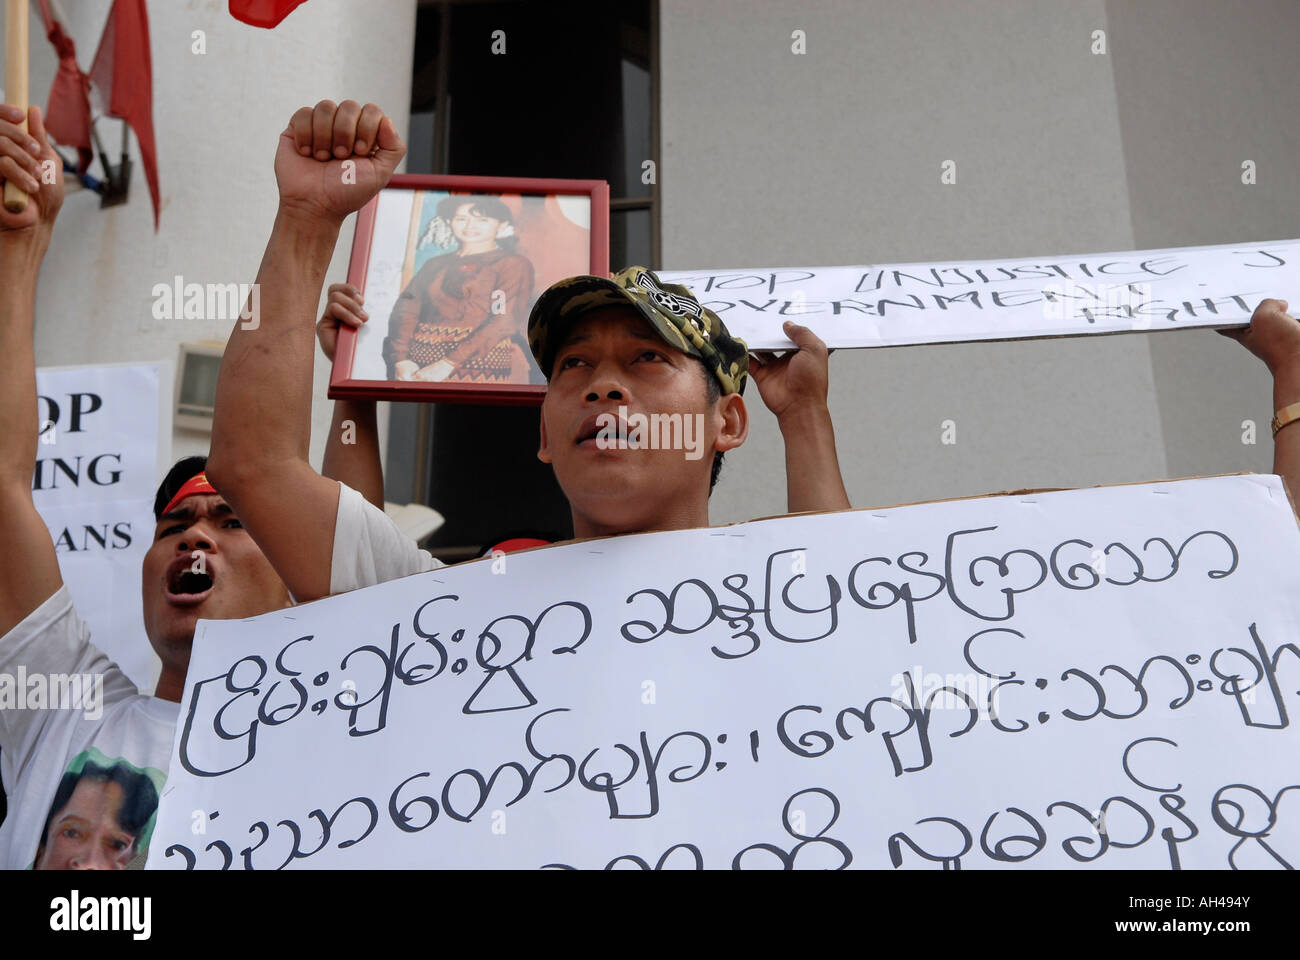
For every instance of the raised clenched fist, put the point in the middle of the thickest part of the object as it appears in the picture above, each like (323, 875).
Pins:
(332, 158)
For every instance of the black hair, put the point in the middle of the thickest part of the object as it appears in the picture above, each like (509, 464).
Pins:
(714, 389)
(483, 206)
(181, 471)
(139, 796)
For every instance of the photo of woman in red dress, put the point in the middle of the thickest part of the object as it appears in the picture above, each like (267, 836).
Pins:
(463, 315)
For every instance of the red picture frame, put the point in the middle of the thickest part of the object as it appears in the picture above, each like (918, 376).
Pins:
(363, 368)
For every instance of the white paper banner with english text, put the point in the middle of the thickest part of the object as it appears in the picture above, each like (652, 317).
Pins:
(953, 301)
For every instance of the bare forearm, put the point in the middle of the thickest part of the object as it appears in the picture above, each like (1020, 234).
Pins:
(29, 567)
(352, 451)
(263, 403)
(812, 468)
(20, 263)
(1286, 445)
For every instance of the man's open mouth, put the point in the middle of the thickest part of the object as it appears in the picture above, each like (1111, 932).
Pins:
(186, 587)
(607, 427)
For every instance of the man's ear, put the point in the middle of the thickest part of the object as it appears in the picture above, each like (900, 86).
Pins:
(735, 422)
(544, 450)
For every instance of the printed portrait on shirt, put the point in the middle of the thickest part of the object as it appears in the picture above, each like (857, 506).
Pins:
(101, 817)
(450, 278)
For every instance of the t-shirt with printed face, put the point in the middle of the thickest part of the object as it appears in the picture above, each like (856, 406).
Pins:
(84, 772)
(83, 754)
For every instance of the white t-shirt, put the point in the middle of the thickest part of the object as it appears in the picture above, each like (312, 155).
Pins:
(369, 548)
(38, 745)
(133, 732)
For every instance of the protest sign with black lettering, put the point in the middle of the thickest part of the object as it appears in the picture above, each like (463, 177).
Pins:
(97, 467)
(954, 301)
(1097, 677)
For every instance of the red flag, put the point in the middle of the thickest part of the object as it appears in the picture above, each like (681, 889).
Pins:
(67, 115)
(263, 13)
(123, 75)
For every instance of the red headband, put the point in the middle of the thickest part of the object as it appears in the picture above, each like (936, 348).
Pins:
(517, 543)
(195, 484)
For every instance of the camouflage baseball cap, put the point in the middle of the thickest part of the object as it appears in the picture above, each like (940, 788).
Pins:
(670, 308)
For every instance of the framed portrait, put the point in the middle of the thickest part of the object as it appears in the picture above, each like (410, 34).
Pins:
(450, 268)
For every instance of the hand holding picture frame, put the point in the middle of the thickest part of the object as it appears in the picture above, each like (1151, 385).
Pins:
(450, 268)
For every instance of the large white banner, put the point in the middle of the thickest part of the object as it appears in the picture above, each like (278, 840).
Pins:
(951, 301)
(1101, 678)
(97, 468)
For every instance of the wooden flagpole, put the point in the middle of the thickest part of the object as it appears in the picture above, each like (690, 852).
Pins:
(16, 83)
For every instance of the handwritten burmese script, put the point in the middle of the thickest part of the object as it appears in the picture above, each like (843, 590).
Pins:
(1100, 678)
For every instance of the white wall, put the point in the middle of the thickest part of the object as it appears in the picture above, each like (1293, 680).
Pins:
(771, 158)
(217, 118)
(1204, 86)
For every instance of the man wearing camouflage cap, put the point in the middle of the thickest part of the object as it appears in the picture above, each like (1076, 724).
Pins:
(670, 308)
(628, 342)
(632, 345)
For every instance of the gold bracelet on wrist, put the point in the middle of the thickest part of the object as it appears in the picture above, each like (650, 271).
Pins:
(1288, 414)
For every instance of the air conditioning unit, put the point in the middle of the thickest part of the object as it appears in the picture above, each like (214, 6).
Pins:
(196, 384)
